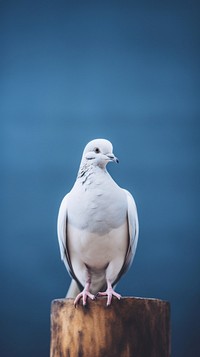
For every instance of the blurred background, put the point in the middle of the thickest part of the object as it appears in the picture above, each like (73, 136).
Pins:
(73, 71)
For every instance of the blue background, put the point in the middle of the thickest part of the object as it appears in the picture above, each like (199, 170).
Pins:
(73, 71)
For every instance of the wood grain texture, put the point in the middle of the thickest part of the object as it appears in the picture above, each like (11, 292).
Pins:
(131, 327)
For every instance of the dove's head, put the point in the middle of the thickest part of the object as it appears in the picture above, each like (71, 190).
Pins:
(98, 152)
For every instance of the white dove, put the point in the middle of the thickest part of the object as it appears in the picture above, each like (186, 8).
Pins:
(97, 227)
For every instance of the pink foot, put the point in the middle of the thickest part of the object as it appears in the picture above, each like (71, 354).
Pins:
(84, 294)
(110, 293)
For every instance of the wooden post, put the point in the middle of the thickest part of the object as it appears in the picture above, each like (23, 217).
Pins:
(131, 327)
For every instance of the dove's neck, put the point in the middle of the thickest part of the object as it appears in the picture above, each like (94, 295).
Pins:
(90, 170)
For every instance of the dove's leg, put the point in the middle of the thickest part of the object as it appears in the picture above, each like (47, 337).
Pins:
(109, 293)
(85, 294)
(111, 273)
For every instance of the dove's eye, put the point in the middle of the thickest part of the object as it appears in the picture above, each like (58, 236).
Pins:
(97, 150)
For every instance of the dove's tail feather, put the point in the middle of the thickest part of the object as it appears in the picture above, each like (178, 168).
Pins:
(73, 290)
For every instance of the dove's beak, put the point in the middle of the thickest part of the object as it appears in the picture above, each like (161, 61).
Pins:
(113, 158)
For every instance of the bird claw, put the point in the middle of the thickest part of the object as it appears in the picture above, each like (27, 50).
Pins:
(109, 293)
(84, 294)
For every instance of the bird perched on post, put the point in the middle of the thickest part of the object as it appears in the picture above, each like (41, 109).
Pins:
(97, 227)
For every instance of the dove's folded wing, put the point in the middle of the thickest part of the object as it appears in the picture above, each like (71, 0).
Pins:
(133, 231)
(133, 226)
(62, 236)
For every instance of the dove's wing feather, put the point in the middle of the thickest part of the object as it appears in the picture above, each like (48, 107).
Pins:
(62, 237)
(133, 231)
(133, 227)
(73, 290)
(62, 228)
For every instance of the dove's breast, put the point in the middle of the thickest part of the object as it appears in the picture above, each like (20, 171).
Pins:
(97, 228)
(96, 252)
(97, 208)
